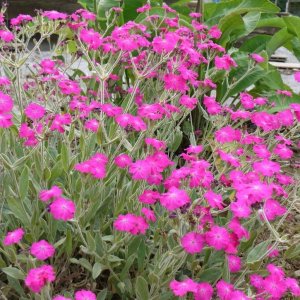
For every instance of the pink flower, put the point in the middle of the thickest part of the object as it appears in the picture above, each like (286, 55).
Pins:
(217, 237)
(182, 288)
(131, 223)
(111, 110)
(273, 209)
(37, 278)
(34, 111)
(283, 151)
(91, 37)
(215, 32)
(42, 250)
(261, 151)
(293, 286)
(123, 160)
(297, 76)
(213, 199)
(69, 87)
(227, 135)
(247, 101)
(144, 8)
(284, 93)
(149, 197)
(13, 237)
(175, 82)
(85, 295)
(60, 121)
(224, 290)
(6, 103)
(92, 125)
(20, 19)
(266, 167)
(234, 263)
(192, 242)
(5, 120)
(174, 199)
(149, 214)
(54, 192)
(62, 209)
(256, 57)
(157, 144)
(167, 44)
(275, 286)
(6, 36)
(240, 209)
(225, 62)
(204, 291)
(188, 102)
(238, 229)
(54, 15)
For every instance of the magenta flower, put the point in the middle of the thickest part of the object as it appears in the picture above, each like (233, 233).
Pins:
(59, 297)
(256, 57)
(37, 278)
(5, 120)
(204, 291)
(92, 125)
(188, 102)
(6, 36)
(54, 15)
(182, 288)
(175, 82)
(174, 199)
(267, 167)
(225, 62)
(227, 135)
(131, 223)
(34, 111)
(224, 290)
(123, 160)
(149, 197)
(234, 263)
(149, 214)
(192, 242)
(13, 237)
(42, 250)
(62, 209)
(217, 237)
(53, 193)
(85, 295)
(6, 103)
(213, 199)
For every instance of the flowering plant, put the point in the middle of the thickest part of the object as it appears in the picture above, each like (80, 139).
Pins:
(101, 194)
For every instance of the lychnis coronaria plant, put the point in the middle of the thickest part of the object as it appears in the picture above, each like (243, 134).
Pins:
(102, 198)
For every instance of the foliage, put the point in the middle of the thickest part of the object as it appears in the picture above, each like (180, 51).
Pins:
(92, 162)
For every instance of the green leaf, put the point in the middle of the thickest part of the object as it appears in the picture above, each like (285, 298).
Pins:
(102, 295)
(24, 183)
(141, 288)
(211, 275)
(256, 43)
(130, 7)
(293, 25)
(258, 252)
(292, 252)
(97, 269)
(65, 157)
(18, 210)
(13, 272)
(278, 39)
(175, 139)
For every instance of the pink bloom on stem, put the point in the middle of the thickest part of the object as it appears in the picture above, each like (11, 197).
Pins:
(175, 82)
(273, 209)
(283, 151)
(131, 223)
(238, 229)
(227, 134)
(149, 197)
(6, 103)
(188, 102)
(261, 151)
(215, 32)
(234, 263)
(224, 290)
(54, 15)
(275, 286)
(62, 209)
(37, 278)
(149, 214)
(85, 295)
(13, 237)
(6, 36)
(256, 57)
(174, 199)
(297, 76)
(155, 143)
(181, 288)
(123, 160)
(266, 167)
(42, 250)
(293, 286)
(34, 111)
(240, 209)
(217, 237)
(54, 192)
(225, 62)
(5, 120)
(213, 199)
(192, 242)
(204, 291)
(92, 125)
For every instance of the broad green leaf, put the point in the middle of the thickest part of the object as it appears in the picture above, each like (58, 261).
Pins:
(175, 139)
(211, 275)
(97, 269)
(293, 25)
(65, 157)
(256, 43)
(102, 295)
(292, 252)
(278, 39)
(130, 7)
(258, 252)
(141, 288)
(18, 210)
(13, 272)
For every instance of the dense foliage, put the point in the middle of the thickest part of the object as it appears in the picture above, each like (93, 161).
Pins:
(137, 162)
